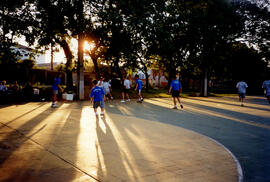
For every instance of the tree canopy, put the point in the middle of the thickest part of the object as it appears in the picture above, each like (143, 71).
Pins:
(193, 38)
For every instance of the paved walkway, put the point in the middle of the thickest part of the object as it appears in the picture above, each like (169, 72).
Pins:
(133, 142)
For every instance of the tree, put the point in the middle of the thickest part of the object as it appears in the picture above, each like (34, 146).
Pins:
(113, 32)
(139, 22)
(52, 29)
(256, 15)
(210, 24)
(57, 23)
(15, 18)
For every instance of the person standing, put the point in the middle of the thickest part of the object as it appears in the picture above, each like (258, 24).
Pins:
(3, 87)
(175, 89)
(97, 97)
(100, 82)
(139, 88)
(125, 90)
(242, 86)
(266, 87)
(55, 89)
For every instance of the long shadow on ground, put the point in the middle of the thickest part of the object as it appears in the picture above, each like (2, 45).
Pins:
(249, 143)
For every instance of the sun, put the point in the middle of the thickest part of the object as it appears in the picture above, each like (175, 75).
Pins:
(88, 46)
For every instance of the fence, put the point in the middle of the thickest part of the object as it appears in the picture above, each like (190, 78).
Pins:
(22, 76)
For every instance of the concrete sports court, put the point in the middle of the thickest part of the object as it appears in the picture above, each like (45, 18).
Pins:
(211, 139)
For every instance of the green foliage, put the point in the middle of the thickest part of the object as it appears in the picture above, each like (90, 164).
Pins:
(256, 15)
(26, 64)
(190, 37)
(8, 56)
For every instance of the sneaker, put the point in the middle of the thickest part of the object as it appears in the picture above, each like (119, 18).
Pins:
(54, 106)
(181, 106)
(242, 105)
(122, 101)
(128, 100)
(111, 98)
(102, 114)
(174, 107)
(141, 99)
(96, 114)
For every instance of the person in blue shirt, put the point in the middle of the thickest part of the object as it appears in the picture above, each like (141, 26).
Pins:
(139, 88)
(242, 86)
(175, 89)
(266, 86)
(97, 97)
(55, 88)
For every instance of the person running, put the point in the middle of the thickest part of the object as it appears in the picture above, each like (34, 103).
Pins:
(107, 89)
(175, 89)
(97, 97)
(55, 89)
(266, 87)
(125, 90)
(241, 86)
(139, 88)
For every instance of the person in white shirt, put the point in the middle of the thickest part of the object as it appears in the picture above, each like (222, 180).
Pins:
(107, 89)
(125, 89)
(100, 82)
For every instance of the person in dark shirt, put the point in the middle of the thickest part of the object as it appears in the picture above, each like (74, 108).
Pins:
(175, 89)
(97, 97)
(55, 88)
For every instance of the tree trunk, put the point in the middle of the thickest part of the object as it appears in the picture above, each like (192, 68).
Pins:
(51, 57)
(118, 69)
(172, 73)
(94, 59)
(146, 75)
(146, 78)
(80, 71)
(205, 85)
(69, 58)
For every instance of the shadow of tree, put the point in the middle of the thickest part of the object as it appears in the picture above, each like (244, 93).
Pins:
(34, 158)
(248, 142)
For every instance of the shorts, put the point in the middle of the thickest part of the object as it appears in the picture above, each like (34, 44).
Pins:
(55, 92)
(139, 91)
(176, 93)
(99, 103)
(126, 91)
(242, 95)
(107, 91)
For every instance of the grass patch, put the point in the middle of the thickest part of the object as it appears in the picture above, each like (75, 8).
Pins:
(221, 95)
(152, 93)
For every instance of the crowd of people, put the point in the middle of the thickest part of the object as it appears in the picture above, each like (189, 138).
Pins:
(102, 90)
(13, 92)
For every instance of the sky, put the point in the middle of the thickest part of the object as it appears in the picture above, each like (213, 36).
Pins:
(59, 55)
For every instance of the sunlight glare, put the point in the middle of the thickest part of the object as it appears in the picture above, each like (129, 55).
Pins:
(88, 46)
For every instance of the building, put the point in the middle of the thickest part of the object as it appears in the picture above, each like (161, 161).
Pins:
(28, 53)
(42, 60)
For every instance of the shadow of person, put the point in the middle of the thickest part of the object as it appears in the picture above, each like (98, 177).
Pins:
(110, 157)
(37, 158)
